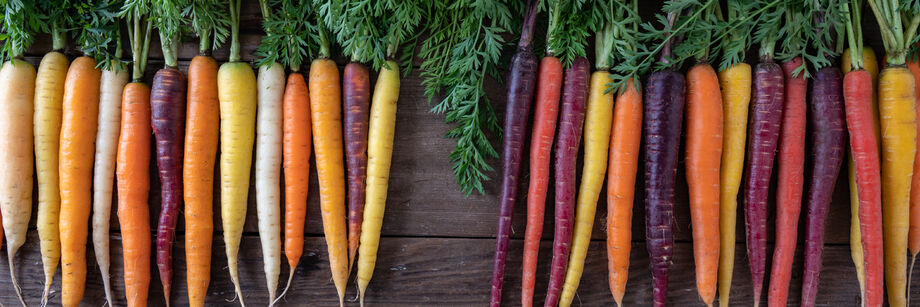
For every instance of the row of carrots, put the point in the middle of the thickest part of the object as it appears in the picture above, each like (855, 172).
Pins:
(738, 122)
(87, 127)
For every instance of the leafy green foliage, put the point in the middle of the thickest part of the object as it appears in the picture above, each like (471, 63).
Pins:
(210, 21)
(737, 29)
(371, 31)
(465, 43)
(571, 24)
(21, 20)
(898, 22)
(167, 17)
(288, 34)
(97, 30)
(139, 27)
(813, 39)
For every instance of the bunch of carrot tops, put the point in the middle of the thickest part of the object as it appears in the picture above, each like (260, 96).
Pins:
(738, 122)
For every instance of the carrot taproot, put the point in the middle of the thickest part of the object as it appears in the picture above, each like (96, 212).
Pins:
(201, 135)
(326, 116)
(167, 106)
(571, 123)
(49, 95)
(133, 178)
(356, 90)
(704, 152)
(828, 137)
(549, 85)
(869, 64)
(296, 145)
(268, 170)
(78, 134)
(521, 83)
(17, 95)
(736, 97)
(790, 179)
(899, 133)
(112, 83)
(621, 183)
(379, 153)
(766, 119)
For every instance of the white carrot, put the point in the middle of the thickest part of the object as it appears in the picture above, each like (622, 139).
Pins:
(111, 84)
(268, 170)
(17, 92)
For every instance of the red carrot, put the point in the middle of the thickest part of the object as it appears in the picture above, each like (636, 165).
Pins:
(828, 138)
(167, 105)
(571, 123)
(356, 99)
(521, 82)
(766, 118)
(789, 191)
(544, 129)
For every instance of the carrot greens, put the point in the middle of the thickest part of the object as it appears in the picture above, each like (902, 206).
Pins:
(210, 22)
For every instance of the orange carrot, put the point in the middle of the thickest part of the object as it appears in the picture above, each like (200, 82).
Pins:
(78, 136)
(133, 173)
(621, 184)
(201, 134)
(296, 162)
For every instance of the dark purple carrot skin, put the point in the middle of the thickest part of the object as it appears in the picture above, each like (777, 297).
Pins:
(167, 106)
(766, 121)
(356, 101)
(522, 80)
(663, 112)
(829, 134)
(521, 84)
(571, 123)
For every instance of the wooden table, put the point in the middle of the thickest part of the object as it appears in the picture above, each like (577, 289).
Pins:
(437, 244)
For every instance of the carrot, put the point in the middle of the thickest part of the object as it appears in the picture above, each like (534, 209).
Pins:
(621, 182)
(112, 84)
(78, 132)
(736, 96)
(704, 151)
(326, 116)
(870, 64)
(544, 130)
(356, 103)
(898, 118)
(17, 89)
(380, 151)
(296, 162)
(268, 170)
(236, 88)
(167, 104)
(133, 187)
(789, 191)
(571, 123)
(201, 134)
(521, 80)
(49, 94)
(827, 154)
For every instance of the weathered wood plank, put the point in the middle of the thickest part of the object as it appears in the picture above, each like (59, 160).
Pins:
(434, 271)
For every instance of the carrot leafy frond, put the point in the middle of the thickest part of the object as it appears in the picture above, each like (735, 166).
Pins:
(288, 34)
(97, 31)
(168, 19)
(464, 48)
(736, 31)
(571, 23)
(21, 19)
(210, 22)
(139, 27)
(898, 21)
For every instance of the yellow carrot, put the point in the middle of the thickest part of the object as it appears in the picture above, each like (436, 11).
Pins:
(382, 127)
(599, 117)
(736, 96)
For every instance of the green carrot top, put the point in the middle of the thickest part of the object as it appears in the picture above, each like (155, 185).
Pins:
(168, 19)
(57, 20)
(463, 49)
(288, 33)
(371, 31)
(210, 22)
(852, 11)
(570, 25)
(20, 21)
(898, 21)
(235, 6)
(97, 31)
(139, 28)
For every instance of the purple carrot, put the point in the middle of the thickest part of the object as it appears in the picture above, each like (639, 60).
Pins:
(167, 106)
(663, 113)
(828, 126)
(571, 123)
(765, 123)
(522, 75)
(357, 88)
